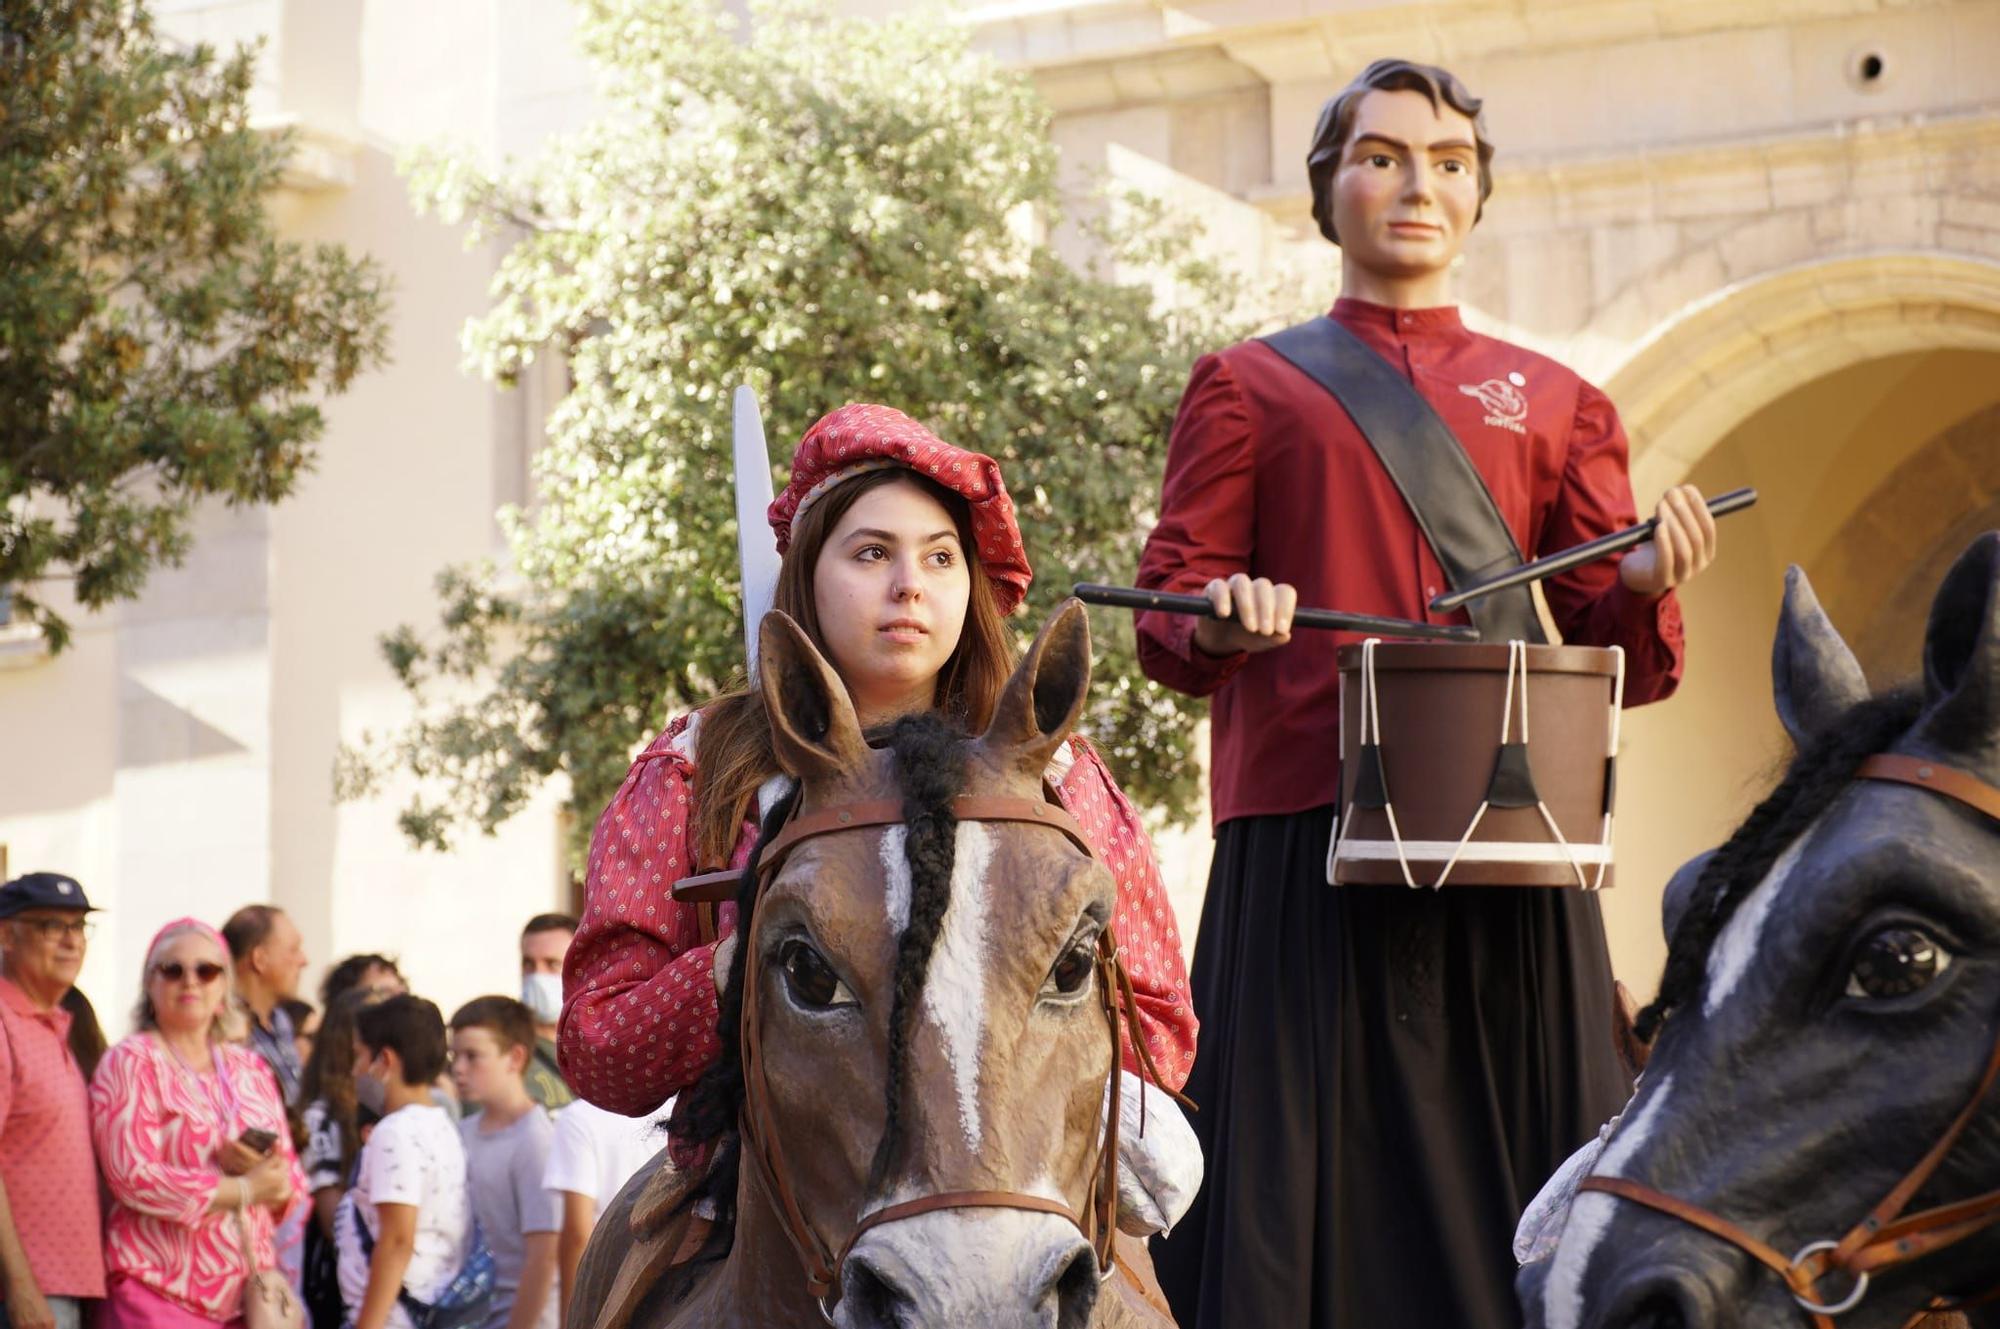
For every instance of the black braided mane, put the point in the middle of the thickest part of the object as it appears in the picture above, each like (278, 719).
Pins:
(930, 764)
(1823, 767)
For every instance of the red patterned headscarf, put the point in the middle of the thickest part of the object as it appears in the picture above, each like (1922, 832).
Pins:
(863, 437)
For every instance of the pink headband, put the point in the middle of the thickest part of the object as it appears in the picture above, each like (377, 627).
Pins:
(177, 927)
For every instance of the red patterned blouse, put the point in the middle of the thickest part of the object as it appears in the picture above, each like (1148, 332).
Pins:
(639, 1002)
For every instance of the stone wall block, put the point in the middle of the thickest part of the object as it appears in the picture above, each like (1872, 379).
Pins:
(1980, 210)
(1726, 189)
(1621, 255)
(1548, 284)
(1970, 240)
(1799, 178)
(1768, 244)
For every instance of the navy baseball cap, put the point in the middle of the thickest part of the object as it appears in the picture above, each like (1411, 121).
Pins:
(42, 890)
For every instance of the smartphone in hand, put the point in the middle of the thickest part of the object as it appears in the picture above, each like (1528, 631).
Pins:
(257, 1140)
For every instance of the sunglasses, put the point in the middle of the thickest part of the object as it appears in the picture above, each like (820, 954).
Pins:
(174, 971)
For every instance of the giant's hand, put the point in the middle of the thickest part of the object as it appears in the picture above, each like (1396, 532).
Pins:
(1682, 545)
(1252, 614)
(1160, 1171)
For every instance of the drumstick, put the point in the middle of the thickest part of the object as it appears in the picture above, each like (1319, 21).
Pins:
(1127, 597)
(1615, 543)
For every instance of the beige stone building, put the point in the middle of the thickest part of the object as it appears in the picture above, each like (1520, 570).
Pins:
(1770, 228)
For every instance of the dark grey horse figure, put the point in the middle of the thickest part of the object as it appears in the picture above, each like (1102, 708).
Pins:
(1831, 1006)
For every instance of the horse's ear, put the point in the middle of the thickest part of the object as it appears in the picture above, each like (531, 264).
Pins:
(1041, 702)
(1962, 652)
(1815, 679)
(814, 730)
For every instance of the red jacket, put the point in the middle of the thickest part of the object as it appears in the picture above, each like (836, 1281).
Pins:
(639, 1002)
(1267, 475)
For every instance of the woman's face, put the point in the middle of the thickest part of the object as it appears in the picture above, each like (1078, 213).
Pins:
(890, 589)
(187, 983)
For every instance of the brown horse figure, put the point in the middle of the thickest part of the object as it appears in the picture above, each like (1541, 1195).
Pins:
(1817, 1138)
(908, 1125)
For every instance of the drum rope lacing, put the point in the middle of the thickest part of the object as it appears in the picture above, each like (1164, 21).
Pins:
(1510, 766)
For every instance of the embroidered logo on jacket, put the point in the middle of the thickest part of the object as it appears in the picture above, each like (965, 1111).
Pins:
(1505, 407)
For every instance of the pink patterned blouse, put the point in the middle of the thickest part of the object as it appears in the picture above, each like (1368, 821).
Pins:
(157, 1125)
(639, 1002)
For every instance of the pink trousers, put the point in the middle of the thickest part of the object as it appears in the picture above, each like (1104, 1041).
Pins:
(130, 1304)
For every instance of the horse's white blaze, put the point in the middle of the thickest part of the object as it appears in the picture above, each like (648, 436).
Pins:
(955, 991)
(1743, 936)
(896, 879)
(1590, 1214)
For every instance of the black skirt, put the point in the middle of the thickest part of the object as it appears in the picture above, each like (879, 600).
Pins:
(1385, 1078)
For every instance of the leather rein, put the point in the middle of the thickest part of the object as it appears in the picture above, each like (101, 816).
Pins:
(823, 1263)
(1886, 1238)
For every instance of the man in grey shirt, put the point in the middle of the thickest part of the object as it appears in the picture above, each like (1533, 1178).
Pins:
(506, 1152)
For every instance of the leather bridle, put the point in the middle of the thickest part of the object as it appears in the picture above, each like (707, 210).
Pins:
(822, 1263)
(1887, 1237)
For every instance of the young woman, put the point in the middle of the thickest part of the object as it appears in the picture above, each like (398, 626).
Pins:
(901, 560)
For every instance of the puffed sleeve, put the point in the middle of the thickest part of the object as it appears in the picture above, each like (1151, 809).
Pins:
(1148, 935)
(1206, 527)
(1590, 604)
(128, 1120)
(639, 1003)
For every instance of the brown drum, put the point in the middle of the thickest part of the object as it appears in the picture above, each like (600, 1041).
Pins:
(1487, 765)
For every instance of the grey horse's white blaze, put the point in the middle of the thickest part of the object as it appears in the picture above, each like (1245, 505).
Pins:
(1742, 937)
(1590, 1216)
(955, 988)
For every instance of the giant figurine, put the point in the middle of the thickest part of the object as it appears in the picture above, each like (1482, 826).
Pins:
(1386, 1075)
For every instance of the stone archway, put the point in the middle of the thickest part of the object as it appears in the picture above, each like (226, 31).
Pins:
(1861, 395)
(1696, 376)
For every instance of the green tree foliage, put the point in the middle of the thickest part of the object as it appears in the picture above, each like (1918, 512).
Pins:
(830, 210)
(158, 344)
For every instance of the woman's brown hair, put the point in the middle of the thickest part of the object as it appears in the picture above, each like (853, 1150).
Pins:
(733, 754)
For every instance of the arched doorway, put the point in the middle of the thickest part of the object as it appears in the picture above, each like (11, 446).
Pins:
(1862, 398)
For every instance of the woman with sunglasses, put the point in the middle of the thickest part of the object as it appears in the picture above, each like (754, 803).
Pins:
(191, 1134)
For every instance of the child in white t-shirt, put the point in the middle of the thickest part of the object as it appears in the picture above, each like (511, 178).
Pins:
(592, 1157)
(409, 1202)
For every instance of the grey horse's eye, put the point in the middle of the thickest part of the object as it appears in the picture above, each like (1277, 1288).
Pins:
(810, 978)
(1895, 962)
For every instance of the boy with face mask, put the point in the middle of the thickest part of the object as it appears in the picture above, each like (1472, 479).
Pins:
(404, 1230)
(544, 943)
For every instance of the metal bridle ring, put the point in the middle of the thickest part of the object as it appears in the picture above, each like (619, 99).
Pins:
(1852, 1299)
(826, 1311)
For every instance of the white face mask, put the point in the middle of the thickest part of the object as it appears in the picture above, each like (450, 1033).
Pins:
(370, 1092)
(542, 995)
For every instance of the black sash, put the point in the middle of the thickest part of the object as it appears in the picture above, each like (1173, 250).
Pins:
(1445, 493)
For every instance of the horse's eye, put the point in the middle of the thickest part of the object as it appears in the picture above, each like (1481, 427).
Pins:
(1072, 972)
(1895, 962)
(811, 979)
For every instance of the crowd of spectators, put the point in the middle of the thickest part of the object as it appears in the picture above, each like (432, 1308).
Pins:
(375, 1165)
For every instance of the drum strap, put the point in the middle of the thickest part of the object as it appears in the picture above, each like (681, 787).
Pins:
(1443, 490)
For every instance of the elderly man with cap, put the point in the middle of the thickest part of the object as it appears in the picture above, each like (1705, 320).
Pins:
(51, 1242)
